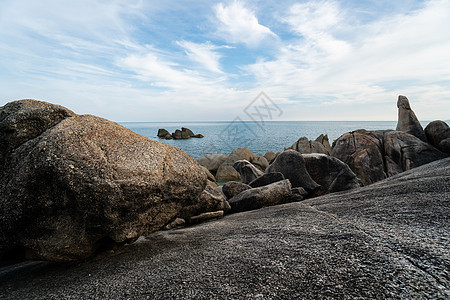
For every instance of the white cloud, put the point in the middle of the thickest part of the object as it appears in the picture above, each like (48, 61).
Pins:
(203, 54)
(404, 54)
(240, 25)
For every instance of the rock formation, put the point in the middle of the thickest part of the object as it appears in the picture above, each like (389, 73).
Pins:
(212, 161)
(266, 179)
(210, 200)
(226, 172)
(376, 155)
(72, 183)
(407, 120)
(332, 174)
(305, 146)
(233, 188)
(292, 165)
(247, 171)
(184, 133)
(438, 134)
(272, 194)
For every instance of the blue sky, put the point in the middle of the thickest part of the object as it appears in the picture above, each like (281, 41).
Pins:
(207, 60)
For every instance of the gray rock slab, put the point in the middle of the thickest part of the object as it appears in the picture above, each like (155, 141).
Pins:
(387, 240)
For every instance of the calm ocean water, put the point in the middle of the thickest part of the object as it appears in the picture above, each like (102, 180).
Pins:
(224, 137)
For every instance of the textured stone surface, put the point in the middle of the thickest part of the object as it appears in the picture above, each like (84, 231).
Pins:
(233, 188)
(207, 216)
(209, 200)
(270, 156)
(260, 162)
(88, 181)
(332, 174)
(291, 164)
(367, 153)
(266, 179)
(407, 120)
(212, 161)
(268, 195)
(385, 241)
(438, 134)
(226, 172)
(305, 146)
(247, 171)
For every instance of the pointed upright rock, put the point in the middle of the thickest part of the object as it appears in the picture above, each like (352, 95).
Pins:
(407, 120)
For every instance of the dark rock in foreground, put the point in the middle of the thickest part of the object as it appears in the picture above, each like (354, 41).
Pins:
(332, 174)
(233, 188)
(291, 164)
(268, 195)
(85, 182)
(389, 240)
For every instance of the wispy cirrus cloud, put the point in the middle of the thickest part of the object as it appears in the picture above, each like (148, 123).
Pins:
(204, 54)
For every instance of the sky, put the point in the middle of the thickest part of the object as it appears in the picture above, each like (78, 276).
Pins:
(167, 60)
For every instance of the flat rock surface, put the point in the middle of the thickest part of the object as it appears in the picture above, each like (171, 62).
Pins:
(387, 240)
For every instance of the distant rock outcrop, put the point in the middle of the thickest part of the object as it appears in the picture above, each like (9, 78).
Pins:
(74, 183)
(184, 133)
(407, 120)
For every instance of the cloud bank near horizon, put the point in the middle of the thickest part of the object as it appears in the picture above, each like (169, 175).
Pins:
(206, 60)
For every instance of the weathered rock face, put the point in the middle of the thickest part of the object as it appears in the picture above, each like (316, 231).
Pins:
(248, 171)
(211, 180)
(260, 162)
(332, 174)
(272, 194)
(210, 200)
(361, 150)
(87, 180)
(233, 188)
(323, 139)
(292, 165)
(270, 156)
(375, 155)
(407, 120)
(266, 179)
(438, 134)
(212, 161)
(226, 172)
(304, 146)
(162, 132)
(23, 120)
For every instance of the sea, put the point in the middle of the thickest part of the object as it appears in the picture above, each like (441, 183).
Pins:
(259, 137)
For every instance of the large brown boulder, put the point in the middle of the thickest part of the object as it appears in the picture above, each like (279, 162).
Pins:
(24, 120)
(332, 174)
(291, 164)
(87, 181)
(438, 134)
(407, 120)
(212, 161)
(376, 155)
(226, 172)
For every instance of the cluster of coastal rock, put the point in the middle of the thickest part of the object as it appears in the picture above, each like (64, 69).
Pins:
(184, 133)
(71, 184)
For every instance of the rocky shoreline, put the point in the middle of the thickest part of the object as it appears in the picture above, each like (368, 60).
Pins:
(372, 220)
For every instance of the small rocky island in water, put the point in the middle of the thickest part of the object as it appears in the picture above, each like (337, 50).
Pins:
(184, 133)
(90, 209)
